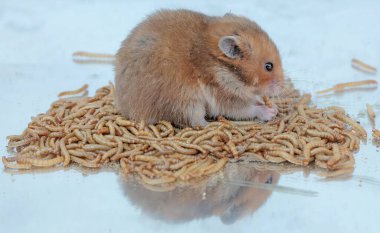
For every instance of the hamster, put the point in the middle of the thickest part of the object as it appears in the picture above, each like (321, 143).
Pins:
(181, 66)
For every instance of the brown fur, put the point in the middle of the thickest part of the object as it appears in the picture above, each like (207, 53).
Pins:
(170, 65)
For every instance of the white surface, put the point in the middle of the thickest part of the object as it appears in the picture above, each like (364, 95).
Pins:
(317, 40)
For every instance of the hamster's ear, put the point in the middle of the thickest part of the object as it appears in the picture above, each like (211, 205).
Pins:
(229, 46)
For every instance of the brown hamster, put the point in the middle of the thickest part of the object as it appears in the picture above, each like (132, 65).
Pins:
(180, 65)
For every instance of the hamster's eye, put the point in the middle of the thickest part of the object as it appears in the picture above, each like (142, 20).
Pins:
(269, 66)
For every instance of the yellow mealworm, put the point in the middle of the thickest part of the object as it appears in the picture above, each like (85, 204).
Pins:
(64, 152)
(45, 163)
(342, 86)
(359, 65)
(95, 147)
(74, 115)
(145, 158)
(274, 159)
(109, 153)
(362, 132)
(281, 127)
(10, 165)
(218, 165)
(85, 163)
(320, 150)
(343, 163)
(308, 147)
(101, 140)
(233, 149)
(23, 142)
(267, 101)
(336, 156)
(322, 157)
(209, 135)
(371, 115)
(80, 90)
(181, 164)
(180, 149)
(79, 153)
(288, 137)
(136, 151)
(155, 131)
(316, 133)
(286, 156)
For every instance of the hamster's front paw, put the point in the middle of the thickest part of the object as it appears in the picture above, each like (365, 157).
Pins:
(265, 114)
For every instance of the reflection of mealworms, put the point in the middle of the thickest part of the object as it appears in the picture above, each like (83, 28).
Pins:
(276, 188)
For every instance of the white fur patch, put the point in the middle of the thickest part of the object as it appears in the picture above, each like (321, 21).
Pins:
(197, 113)
(231, 83)
(212, 106)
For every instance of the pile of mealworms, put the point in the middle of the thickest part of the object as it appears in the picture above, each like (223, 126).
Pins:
(90, 132)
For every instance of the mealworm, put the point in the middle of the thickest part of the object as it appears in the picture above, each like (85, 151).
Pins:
(23, 142)
(320, 150)
(288, 137)
(267, 101)
(371, 115)
(109, 153)
(74, 92)
(336, 156)
(45, 163)
(307, 150)
(180, 149)
(359, 65)
(134, 152)
(85, 154)
(181, 164)
(209, 135)
(85, 163)
(91, 132)
(64, 152)
(74, 115)
(10, 165)
(233, 149)
(288, 157)
(342, 86)
(344, 164)
(316, 133)
(101, 140)
(217, 166)
(362, 132)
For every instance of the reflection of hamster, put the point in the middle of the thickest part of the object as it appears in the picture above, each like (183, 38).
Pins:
(184, 204)
(181, 66)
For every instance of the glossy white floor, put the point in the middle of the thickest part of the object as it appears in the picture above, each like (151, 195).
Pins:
(317, 40)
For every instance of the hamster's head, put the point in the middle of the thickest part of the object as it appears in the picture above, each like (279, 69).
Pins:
(248, 61)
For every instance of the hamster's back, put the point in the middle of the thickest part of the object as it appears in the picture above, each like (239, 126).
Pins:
(153, 66)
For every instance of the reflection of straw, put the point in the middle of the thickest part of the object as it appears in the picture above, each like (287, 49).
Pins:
(277, 188)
